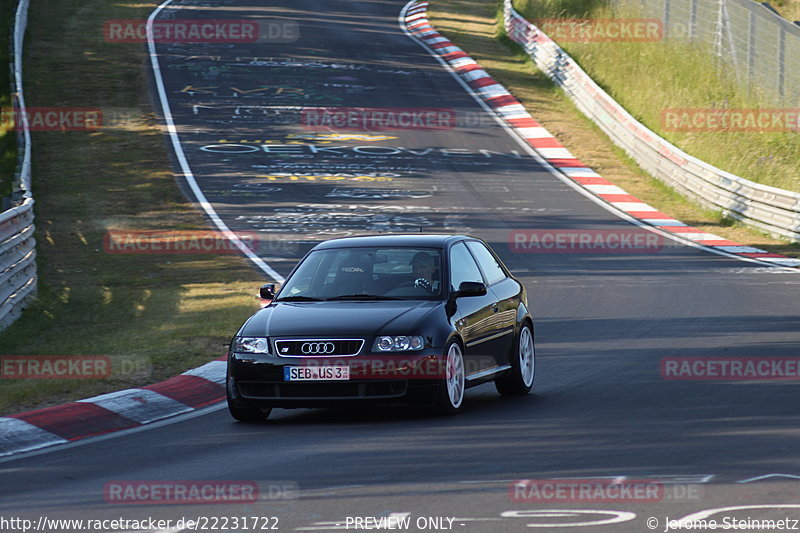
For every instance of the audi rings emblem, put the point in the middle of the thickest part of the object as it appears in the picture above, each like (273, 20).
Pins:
(317, 348)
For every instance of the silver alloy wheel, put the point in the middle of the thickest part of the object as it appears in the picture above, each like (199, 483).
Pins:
(455, 375)
(526, 356)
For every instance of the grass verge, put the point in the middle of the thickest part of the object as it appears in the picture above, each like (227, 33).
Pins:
(472, 25)
(153, 315)
(789, 9)
(646, 79)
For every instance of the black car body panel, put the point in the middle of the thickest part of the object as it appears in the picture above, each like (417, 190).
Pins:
(333, 318)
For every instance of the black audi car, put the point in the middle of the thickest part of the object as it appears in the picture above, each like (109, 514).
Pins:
(410, 318)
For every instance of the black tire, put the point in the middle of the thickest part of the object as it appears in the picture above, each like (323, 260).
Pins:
(244, 414)
(519, 380)
(452, 386)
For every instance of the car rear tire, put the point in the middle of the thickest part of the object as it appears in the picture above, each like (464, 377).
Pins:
(519, 380)
(452, 384)
(245, 414)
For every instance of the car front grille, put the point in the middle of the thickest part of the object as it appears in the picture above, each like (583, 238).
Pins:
(318, 347)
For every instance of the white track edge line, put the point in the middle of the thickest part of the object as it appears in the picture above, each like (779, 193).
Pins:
(181, 155)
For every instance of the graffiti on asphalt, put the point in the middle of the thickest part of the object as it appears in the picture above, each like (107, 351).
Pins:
(375, 193)
(304, 219)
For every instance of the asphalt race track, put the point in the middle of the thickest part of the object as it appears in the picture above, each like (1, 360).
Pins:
(244, 113)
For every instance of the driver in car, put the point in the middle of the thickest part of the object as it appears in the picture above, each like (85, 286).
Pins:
(422, 269)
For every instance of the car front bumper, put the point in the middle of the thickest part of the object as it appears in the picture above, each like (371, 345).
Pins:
(412, 377)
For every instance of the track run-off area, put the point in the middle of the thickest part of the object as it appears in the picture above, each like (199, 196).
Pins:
(258, 144)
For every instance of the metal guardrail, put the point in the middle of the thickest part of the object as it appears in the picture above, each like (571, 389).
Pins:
(17, 244)
(769, 209)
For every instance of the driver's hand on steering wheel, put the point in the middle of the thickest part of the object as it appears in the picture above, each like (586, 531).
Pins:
(424, 283)
(422, 268)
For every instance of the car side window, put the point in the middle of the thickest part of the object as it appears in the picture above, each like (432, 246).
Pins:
(462, 266)
(491, 268)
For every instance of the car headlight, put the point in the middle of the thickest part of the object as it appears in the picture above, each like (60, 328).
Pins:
(250, 345)
(398, 343)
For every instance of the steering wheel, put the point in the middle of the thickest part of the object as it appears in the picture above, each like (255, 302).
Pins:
(420, 283)
(423, 283)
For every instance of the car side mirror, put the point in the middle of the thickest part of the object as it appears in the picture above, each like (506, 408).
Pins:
(471, 288)
(267, 291)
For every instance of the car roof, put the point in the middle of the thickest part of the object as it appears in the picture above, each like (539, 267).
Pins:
(422, 240)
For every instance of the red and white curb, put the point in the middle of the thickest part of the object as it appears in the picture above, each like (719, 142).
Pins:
(115, 411)
(551, 150)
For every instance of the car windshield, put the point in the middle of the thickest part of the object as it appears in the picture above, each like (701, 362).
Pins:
(366, 274)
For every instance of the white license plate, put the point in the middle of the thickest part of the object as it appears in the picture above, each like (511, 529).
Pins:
(316, 373)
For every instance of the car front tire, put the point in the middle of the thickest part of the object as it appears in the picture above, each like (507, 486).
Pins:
(519, 380)
(453, 383)
(241, 413)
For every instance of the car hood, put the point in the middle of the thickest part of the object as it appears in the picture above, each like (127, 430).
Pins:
(338, 318)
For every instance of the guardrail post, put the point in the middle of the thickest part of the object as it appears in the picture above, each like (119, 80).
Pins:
(751, 46)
